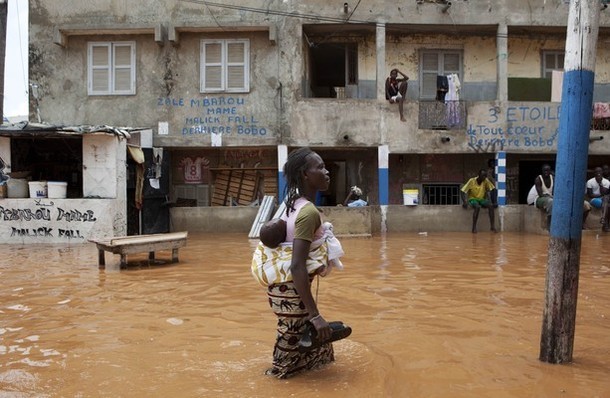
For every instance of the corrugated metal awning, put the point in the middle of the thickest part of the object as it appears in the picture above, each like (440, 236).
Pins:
(41, 130)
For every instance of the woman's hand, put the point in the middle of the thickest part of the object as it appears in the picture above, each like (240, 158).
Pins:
(322, 327)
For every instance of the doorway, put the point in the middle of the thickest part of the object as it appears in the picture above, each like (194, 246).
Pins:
(333, 67)
(528, 171)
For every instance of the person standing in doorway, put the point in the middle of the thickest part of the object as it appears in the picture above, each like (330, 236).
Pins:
(477, 193)
(396, 90)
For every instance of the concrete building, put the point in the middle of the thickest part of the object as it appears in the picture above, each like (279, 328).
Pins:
(229, 87)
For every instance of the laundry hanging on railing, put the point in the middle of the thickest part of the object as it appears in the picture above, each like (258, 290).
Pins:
(601, 116)
(442, 86)
(601, 110)
(452, 99)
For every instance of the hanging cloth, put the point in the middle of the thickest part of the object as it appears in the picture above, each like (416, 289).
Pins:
(442, 86)
(137, 154)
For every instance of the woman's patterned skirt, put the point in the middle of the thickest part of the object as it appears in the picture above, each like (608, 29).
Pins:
(291, 319)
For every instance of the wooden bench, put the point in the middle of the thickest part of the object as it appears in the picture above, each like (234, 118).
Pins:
(125, 245)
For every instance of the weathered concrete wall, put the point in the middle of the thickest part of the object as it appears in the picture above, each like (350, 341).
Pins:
(213, 219)
(168, 48)
(515, 127)
(349, 221)
(367, 220)
(528, 52)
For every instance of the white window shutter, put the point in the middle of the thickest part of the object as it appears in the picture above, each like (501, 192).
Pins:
(99, 68)
(451, 63)
(225, 66)
(112, 68)
(430, 70)
(212, 62)
(236, 66)
(123, 68)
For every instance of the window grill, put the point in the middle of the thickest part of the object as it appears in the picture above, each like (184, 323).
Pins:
(441, 194)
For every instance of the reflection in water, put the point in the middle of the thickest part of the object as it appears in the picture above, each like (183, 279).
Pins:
(435, 315)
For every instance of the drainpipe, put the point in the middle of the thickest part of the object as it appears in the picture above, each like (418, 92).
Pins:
(502, 73)
(380, 48)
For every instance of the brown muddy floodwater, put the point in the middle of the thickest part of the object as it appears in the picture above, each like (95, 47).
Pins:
(441, 315)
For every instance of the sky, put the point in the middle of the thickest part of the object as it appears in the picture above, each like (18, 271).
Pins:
(16, 63)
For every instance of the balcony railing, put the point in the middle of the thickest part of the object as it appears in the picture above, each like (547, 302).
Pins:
(436, 115)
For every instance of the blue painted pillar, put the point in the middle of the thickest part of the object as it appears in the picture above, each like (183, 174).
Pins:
(282, 156)
(383, 154)
(558, 325)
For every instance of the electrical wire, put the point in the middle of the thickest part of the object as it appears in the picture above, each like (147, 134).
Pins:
(353, 11)
(279, 13)
(214, 17)
(394, 27)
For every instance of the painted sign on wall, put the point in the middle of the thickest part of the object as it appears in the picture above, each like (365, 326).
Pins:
(222, 115)
(55, 221)
(516, 127)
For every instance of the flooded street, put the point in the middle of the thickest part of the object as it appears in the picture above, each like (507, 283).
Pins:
(437, 315)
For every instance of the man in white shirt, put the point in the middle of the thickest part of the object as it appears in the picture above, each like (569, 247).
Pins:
(597, 188)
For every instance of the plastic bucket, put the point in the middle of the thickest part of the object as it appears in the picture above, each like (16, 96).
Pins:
(38, 189)
(410, 197)
(57, 189)
(17, 188)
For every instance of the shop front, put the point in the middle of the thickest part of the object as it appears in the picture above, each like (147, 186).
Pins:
(76, 180)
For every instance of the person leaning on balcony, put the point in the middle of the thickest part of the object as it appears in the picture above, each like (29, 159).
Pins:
(598, 188)
(477, 193)
(396, 90)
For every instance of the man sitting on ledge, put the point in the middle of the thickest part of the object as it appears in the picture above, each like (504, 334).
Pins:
(544, 195)
(478, 193)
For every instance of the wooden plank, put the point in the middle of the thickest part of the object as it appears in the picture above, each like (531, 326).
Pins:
(222, 181)
(225, 198)
(127, 240)
(140, 238)
(144, 247)
(238, 185)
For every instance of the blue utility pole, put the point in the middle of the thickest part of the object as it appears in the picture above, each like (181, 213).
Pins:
(559, 318)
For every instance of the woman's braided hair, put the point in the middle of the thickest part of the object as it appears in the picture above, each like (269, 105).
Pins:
(295, 165)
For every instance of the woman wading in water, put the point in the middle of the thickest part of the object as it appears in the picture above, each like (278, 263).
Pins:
(289, 289)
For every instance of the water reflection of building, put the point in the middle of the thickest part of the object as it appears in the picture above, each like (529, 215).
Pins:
(228, 90)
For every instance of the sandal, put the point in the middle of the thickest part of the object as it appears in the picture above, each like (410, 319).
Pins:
(308, 340)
